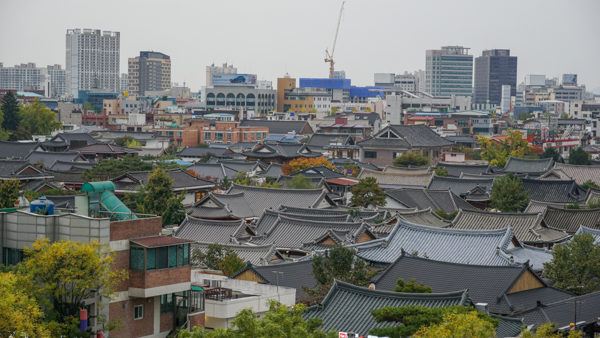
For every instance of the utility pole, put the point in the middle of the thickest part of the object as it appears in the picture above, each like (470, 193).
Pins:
(277, 274)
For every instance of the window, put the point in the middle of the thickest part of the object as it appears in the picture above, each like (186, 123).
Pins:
(151, 259)
(370, 154)
(166, 303)
(138, 312)
(172, 256)
(162, 257)
(11, 256)
(180, 255)
(136, 258)
(186, 254)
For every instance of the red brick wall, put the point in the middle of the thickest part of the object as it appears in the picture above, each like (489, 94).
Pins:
(135, 228)
(121, 262)
(128, 327)
(154, 278)
(166, 321)
(197, 319)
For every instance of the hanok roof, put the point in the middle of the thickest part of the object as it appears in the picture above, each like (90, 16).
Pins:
(158, 241)
(526, 227)
(80, 138)
(364, 214)
(422, 198)
(17, 150)
(182, 181)
(292, 233)
(348, 307)
(280, 127)
(212, 171)
(397, 180)
(320, 171)
(594, 232)
(255, 254)
(579, 173)
(315, 181)
(281, 150)
(241, 166)
(268, 219)
(554, 191)
(324, 141)
(210, 231)
(569, 220)
(273, 171)
(204, 151)
(457, 169)
(474, 189)
(540, 207)
(405, 137)
(586, 308)
(486, 284)
(531, 167)
(297, 275)
(484, 247)
(70, 166)
(424, 217)
(534, 256)
(106, 149)
(47, 158)
(19, 169)
(220, 206)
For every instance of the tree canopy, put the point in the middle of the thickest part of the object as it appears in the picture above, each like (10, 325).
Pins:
(218, 257)
(10, 112)
(508, 194)
(575, 265)
(300, 182)
(112, 168)
(497, 152)
(411, 286)
(157, 198)
(579, 156)
(9, 193)
(367, 193)
(548, 330)
(37, 119)
(302, 163)
(553, 154)
(411, 158)
(469, 324)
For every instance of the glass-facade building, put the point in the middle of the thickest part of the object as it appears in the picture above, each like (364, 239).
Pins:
(493, 69)
(449, 71)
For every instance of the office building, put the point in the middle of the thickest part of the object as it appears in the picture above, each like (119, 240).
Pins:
(92, 60)
(124, 82)
(302, 100)
(150, 71)
(23, 77)
(407, 81)
(494, 69)
(212, 70)
(535, 80)
(449, 71)
(569, 80)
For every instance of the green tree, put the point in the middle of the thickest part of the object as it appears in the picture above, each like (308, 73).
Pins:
(218, 257)
(411, 158)
(367, 193)
(548, 330)
(10, 110)
(579, 156)
(497, 152)
(468, 324)
(508, 194)
(37, 119)
(300, 182)
(20, 314)
(553, 154)
(159, 198)
(594, 203)
(112, 168)
(441, 171)
(64, 274)
(225, 183)
(589, 184)
(575, 266)
(411, 286)
(279, 321)
(9, 193)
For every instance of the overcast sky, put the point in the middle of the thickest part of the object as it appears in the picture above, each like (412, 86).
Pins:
(274, 37)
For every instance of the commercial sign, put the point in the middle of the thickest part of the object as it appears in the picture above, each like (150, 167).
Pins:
(234, 79)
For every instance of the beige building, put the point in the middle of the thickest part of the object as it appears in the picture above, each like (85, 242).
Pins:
(150, 71)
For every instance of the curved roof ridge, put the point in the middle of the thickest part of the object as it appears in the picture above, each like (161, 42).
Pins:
(212, 221)
(244, 246)
(529, 179)
(312, 221)
(558, 164)
(551, 207)
(458, 179)
(248, 187)
(479, 211)
(392, 294)
(414, 212)
(530, 159)
(453, 230)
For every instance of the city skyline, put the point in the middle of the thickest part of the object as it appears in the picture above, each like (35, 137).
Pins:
(393, 37)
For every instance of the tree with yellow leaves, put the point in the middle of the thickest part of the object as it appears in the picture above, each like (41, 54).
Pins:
(302, 163)
(497, 152)
(20, 314)
(548, 330)
(469, 324)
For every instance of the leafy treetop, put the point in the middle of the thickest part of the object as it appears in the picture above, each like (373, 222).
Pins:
(411, 158)
(302, 163)
(508, 194)
(497, 152)
(367, 193)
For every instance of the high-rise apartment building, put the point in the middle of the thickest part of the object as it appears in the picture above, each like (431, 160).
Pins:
(56, 81)
(23, 77)
(494, 69)
(150, 71)
(449, 71)
(92, 60)
(124, 82)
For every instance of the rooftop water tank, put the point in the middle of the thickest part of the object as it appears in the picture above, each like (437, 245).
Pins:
(42, 206)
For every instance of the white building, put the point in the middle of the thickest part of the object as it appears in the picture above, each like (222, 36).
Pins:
(92, 60)
(23, 77)
(505, 99)
(56, 81)
(218, 70)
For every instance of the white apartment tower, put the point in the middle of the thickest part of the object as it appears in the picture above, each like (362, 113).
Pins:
(56, 81)
(22, 77)
(92, 60)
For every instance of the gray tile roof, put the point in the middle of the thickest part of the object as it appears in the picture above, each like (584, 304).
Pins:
(297, 275)
(420, 136)
(270, 217)
(457, 169)
(255, 254)
(531, 167)
(211, 171)
(210, 231)
(476, 189)
(273, 171)
(69, 165)
(47, 158)
(319, 171)
(486, 284)
(424, 217)
(569, 220)
(281, 150)
(508, 327)
(540, 207)
(280, 127)
(535, 256)
(205, 151)
(215, 205)
(12, 168)
(320, 140)
(348, 308)
(397, 179)
(181, 180)
(594, 232)
(422, 198)
(16, 150)
(449, 245)
(315, 181)
(554, 191)
(526, 227)
(580, 173)
(70, 137)
(241, 166)
(586, 308)
(105, 148)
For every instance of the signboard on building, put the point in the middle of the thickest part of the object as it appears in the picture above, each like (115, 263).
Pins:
(234, 79)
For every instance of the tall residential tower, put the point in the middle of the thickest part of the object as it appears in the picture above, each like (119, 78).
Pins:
(449, 71)
(92, 60)
(494, 69)
(150, 71)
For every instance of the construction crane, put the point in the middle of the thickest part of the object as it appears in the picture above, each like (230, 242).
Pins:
(329, 56)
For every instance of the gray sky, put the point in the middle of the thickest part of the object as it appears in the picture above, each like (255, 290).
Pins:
(272, 37)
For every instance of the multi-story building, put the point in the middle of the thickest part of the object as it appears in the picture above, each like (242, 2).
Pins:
(449, 71)
(212, 70)
(150, 71)
(23, 77)
(56, 80)
(408, 82)
(493, 69)
(124, 82)
(92, 60)
(303, 100)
